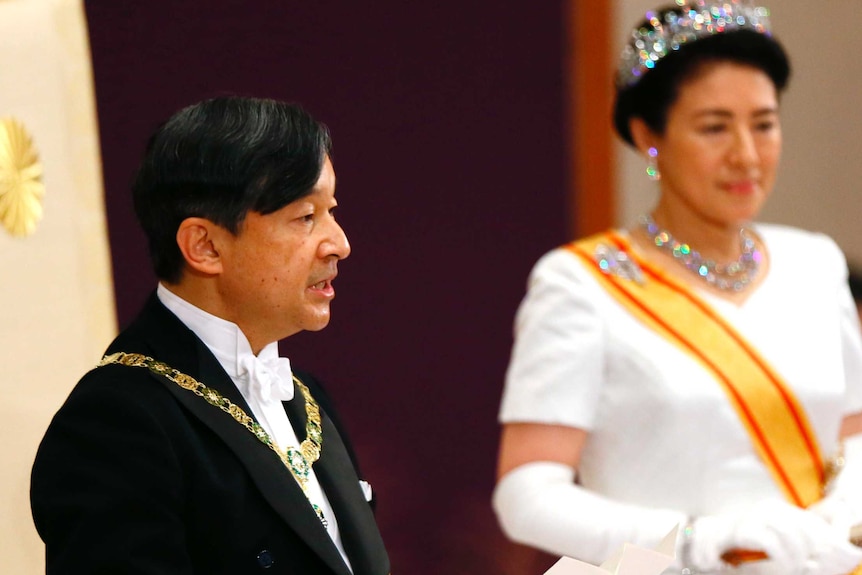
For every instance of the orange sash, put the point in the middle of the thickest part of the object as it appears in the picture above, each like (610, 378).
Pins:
(768, 409)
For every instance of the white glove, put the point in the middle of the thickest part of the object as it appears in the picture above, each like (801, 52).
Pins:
(796, 541)
(539, 504)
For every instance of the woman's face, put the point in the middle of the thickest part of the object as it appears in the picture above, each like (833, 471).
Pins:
(719, 153)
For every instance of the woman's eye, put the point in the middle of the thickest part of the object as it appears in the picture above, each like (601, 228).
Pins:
(712, 129)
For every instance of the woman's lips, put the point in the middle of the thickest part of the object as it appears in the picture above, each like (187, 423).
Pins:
(741, 187)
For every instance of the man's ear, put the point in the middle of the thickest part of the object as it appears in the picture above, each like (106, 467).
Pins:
(644, 138)
(197, 239)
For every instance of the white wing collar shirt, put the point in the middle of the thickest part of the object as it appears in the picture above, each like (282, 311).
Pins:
(264, 381)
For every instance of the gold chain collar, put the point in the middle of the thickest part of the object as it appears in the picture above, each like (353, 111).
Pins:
(298, 461)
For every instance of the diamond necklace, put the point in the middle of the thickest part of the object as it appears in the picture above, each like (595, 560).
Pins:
(735, 276)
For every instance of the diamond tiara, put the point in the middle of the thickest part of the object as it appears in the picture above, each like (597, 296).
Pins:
(688, 22)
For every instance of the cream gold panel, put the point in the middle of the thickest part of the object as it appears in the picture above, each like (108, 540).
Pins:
(56, 293)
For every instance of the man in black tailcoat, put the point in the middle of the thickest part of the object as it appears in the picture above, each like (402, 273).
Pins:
(194, 448)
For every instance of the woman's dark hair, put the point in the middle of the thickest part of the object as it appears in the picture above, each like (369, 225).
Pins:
(653, 95)
(220, 159)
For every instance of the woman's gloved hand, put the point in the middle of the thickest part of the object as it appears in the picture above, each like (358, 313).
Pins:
(794, 540)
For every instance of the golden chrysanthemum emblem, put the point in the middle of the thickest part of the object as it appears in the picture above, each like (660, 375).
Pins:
(21, 187)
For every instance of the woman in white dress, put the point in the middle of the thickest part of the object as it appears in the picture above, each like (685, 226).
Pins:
(698, 369)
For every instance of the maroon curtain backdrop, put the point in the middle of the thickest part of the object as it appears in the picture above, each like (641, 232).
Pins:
(449, 151)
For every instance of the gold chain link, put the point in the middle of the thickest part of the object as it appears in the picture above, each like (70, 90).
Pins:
(298, 461)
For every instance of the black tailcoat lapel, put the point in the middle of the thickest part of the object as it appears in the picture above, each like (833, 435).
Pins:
(339, 480)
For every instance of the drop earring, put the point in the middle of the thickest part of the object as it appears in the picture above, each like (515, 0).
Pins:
(652, 168)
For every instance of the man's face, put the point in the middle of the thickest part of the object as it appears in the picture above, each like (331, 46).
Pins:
(278, 270)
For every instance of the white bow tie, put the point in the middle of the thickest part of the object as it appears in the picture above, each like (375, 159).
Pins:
(269, 378)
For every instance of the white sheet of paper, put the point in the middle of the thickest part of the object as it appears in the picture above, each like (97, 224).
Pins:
(630, 560)
(569, 566)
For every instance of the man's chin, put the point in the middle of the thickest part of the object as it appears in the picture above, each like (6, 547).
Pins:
(318, 323)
